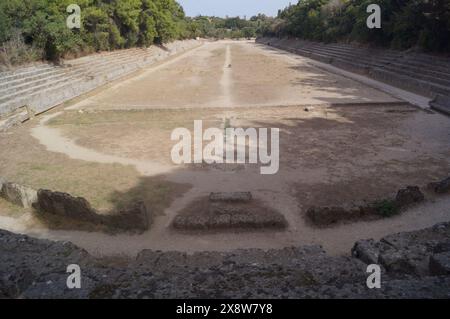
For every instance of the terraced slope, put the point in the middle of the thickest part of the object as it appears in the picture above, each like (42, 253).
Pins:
(428, 75)
(35, 89)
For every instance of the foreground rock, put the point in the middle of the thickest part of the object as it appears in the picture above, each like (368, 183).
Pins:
(440, 264)
(409, 253)
(414, 265)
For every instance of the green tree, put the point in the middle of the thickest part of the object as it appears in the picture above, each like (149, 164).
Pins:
(405, 23)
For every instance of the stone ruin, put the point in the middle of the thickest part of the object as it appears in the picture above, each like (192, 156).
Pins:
(234, 210)
(17, 194)
(221, 210)
(405, 198)
(135, 218)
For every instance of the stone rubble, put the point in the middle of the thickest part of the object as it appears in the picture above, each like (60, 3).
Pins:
(325, 216)
(414, 265)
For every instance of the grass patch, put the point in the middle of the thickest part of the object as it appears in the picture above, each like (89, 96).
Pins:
(387, 208)
(105, 186)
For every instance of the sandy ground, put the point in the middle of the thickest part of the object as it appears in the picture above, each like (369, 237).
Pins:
(351, 143)
(257, 77)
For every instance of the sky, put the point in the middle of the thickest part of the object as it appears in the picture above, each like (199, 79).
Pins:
(233, 8)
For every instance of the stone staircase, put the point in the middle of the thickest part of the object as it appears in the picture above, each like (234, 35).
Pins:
(31, 90)
(424, 74)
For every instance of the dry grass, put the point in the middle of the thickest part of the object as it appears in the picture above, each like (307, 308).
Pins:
(16, 52)
(105, 186)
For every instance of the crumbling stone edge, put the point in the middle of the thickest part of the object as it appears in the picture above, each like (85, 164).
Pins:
(413, 265)
(137, 217)
(406, 197)
(134, 218)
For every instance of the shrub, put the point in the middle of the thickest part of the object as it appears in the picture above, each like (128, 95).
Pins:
(405, 24)
(387, 208)
(106, 25)
(15, 51)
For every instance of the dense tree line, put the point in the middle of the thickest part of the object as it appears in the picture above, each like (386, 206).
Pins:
(36, 29)
(229, 27)
(106, 25)
(405, 23)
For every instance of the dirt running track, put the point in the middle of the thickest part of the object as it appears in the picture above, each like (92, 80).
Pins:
(341, 141)
(258, 76)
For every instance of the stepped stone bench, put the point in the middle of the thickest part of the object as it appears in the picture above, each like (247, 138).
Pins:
(422, 74)
(26, 92)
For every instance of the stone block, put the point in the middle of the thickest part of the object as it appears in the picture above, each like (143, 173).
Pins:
(135, 218)
(328, 215)
(243, 197)
(408, 196)
(65, 205)
(367, 251)
(441, 103)
(18, 194)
